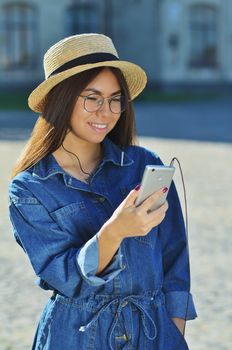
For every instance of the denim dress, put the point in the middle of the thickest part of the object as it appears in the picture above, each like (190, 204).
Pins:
(130, 305)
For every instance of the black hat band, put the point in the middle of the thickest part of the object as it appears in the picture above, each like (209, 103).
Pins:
(87, 59)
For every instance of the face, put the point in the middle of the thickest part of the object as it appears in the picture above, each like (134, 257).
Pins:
(93, 126)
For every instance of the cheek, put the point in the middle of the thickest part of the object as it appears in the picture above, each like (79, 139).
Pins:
(78, 116)
(116, 119)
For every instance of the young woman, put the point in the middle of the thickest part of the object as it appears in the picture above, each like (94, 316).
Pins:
(119, 273)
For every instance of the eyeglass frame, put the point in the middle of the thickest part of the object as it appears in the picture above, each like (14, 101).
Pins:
(109, 99)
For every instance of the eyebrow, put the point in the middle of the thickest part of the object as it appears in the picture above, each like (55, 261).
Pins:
(99, 92)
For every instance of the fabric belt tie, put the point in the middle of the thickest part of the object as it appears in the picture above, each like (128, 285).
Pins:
(121, 304)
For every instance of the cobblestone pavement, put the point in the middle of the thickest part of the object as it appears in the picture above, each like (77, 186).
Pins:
(208, 174)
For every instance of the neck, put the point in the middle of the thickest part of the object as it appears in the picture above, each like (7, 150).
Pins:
(88, 153)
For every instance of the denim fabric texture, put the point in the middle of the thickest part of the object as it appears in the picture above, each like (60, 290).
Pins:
(56, 219)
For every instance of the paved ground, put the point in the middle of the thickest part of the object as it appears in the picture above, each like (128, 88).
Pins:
(208, 173)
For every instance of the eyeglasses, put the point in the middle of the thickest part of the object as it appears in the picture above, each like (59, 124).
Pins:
(93, 103)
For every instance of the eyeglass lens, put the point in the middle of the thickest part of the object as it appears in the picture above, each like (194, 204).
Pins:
(117, 104)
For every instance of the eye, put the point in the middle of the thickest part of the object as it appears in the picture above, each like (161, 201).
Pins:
(116, 99)
(92, 98)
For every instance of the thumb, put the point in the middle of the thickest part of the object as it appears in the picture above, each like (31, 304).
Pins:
(131, 197)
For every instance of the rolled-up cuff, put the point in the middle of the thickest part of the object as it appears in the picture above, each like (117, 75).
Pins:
(180, 304)
(88, 259)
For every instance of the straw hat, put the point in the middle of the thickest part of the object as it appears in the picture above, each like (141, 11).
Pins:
(78, 53)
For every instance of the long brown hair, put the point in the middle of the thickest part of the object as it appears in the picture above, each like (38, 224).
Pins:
(51, 127)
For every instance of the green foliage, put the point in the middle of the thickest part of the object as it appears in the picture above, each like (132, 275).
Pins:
(14, 100)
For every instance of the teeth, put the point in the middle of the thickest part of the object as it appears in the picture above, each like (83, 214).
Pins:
(99, 126)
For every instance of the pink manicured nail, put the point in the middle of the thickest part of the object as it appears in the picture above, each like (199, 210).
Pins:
(165, 189)
(137, 187)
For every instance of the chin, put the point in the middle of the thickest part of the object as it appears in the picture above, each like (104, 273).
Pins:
(96, 139)
(89, 137)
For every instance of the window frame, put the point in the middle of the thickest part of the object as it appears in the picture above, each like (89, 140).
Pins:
(207, 31)
(19, 29)
(72, 26)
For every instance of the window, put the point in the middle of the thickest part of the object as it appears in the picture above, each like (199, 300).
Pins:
(82, 19)
(203, 36)
(18, 31)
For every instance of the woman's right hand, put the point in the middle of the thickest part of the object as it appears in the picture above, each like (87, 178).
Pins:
(130, 221)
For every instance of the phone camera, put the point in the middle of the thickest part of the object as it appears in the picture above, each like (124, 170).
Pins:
(153, 169)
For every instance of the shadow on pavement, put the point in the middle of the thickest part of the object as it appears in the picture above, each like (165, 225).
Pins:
(16, 125)
(201, 121)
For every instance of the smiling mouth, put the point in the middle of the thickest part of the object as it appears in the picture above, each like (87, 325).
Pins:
(98, 127)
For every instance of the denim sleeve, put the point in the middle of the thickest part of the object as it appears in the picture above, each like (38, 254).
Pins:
(87, 259)
(53, 253)
(175, 256)
(180, 304)
(176, 284)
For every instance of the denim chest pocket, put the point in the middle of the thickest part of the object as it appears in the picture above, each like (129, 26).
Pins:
(150, 239)
(75, 219)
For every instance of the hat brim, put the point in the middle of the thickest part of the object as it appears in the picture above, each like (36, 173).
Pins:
(135, 77)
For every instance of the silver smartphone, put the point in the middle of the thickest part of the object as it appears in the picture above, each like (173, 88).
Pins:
(154, 178)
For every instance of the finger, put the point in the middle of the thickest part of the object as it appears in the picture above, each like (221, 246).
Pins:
(131, 197)
(147, 204)
(161, 210)
(156, 216)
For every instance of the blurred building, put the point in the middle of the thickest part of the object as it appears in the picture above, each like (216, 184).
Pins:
(180, 43)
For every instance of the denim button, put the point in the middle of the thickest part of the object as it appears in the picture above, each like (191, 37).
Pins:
(101, 199)
(122, 337)
(124, 303)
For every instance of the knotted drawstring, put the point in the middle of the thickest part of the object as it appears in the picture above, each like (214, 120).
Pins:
(121, 304)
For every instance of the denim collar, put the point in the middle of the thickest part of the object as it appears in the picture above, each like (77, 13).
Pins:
(48, 166)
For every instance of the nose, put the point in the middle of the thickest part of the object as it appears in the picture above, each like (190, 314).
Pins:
(105, 107)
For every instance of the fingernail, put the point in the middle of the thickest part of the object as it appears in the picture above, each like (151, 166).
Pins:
(137, 187)
(165, 189)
